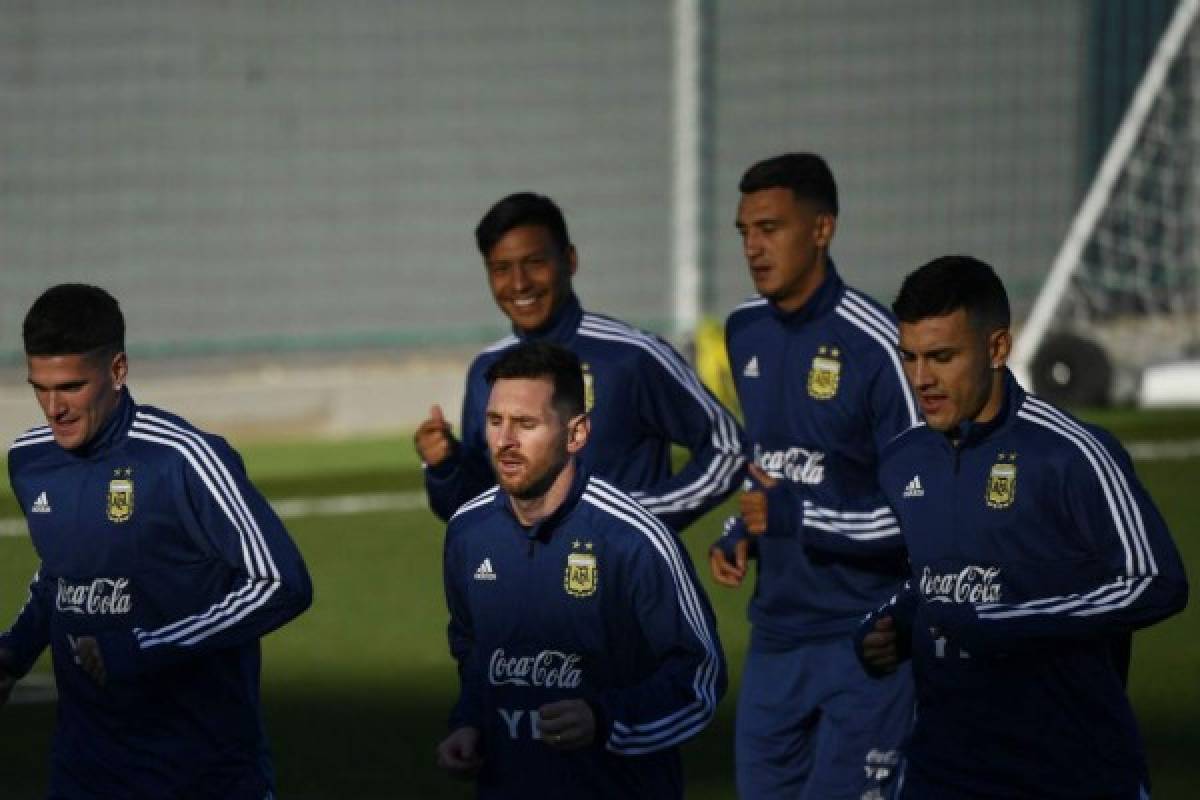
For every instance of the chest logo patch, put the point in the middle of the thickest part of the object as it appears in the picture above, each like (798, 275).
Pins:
(120, 495)
(824, 374)
(582, 575)
(1002, 481)
(589, 387)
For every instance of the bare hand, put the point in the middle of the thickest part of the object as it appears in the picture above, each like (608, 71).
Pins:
(459, 753)
(725, 572)
(879, 646)
(89, 658)
(567, 724)
(7, 678)
(434, 439)
(754, 502)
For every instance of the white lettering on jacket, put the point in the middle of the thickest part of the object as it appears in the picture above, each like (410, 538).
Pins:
(101, 596)
(796, 464)
(971, 584)
(549, 669)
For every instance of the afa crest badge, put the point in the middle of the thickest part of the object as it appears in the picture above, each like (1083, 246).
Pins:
(1002, 481)
(825, 372)
(120, 495)
(589, 387)
(582, 575)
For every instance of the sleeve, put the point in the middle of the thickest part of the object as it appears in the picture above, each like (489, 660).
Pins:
(676, 624)
(468, 709)
(467, 471)
(30, 633)
(268, 581)
(676, 406)
(1146, 581)
(732, 532)
(848, 514)
(901, 607)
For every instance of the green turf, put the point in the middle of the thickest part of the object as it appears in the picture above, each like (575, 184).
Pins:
(356, 691)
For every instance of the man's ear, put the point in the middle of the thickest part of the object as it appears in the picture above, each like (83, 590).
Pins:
(119, 370)
(999, 347)
(825, 229)
(578, 430)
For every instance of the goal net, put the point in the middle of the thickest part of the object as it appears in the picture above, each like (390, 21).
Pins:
(1124, 291)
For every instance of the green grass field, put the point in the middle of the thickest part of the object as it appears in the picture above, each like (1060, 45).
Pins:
(356, 691)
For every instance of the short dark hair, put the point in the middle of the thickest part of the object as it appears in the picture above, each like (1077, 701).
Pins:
(539, 359)
(806, 174)
(949, 283)
(74, 319)
(516, 210)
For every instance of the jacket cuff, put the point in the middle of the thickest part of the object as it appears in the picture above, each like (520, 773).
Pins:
(445, 470)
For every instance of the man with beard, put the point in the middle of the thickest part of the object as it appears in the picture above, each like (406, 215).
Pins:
(1035, 554)
(587, 650)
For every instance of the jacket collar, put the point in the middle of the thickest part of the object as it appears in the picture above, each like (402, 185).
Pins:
(560, 327)
(544, 529)
(823, 301)
(113, 431)
(970, 434)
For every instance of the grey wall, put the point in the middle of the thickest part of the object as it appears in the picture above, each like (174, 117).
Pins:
(282, 175)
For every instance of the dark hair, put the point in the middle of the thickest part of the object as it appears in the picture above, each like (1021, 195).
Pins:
(806, 174)
(74, 319)
(538, 359)
(516, 210)
(949, 283)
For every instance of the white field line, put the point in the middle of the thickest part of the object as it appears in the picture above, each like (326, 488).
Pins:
(299, 507)
(346, 504)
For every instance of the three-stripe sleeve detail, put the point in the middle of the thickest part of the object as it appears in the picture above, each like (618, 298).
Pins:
(861, 314)
(263, 576)
(1130, 529)
(671, 729)
(719, 474)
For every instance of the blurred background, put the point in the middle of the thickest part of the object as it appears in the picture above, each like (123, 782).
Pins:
(282, 195)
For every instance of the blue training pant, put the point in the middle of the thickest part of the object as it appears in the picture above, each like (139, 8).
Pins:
(812, 725)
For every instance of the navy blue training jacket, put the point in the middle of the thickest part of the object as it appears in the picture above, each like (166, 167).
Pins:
(597, 602)
(152, 539)
(642, 397)
(822, 391)
(1035, 553)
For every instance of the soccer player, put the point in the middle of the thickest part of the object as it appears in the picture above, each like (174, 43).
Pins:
(641, 396)
(1035, 553)
(161, 566)
(822, 391)
(586, 647)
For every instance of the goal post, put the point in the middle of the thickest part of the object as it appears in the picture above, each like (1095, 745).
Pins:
(1123, 292)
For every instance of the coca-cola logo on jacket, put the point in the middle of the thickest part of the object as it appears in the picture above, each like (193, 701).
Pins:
(549, 669)
(98, 596)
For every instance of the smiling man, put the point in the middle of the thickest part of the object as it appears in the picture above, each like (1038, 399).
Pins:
(640, 394)
(1035, 554)
(586, 647)
(161, 566)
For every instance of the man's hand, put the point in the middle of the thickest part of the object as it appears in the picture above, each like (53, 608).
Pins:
(459, 753)
(567, 724)
(434, 439)
(726, 572)
(7, 679)
(89, 658)
(879, 650)
(754, 502)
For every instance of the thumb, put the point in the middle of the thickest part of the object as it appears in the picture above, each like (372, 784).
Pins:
(885, 624)
(739, 553)
(435, 413)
